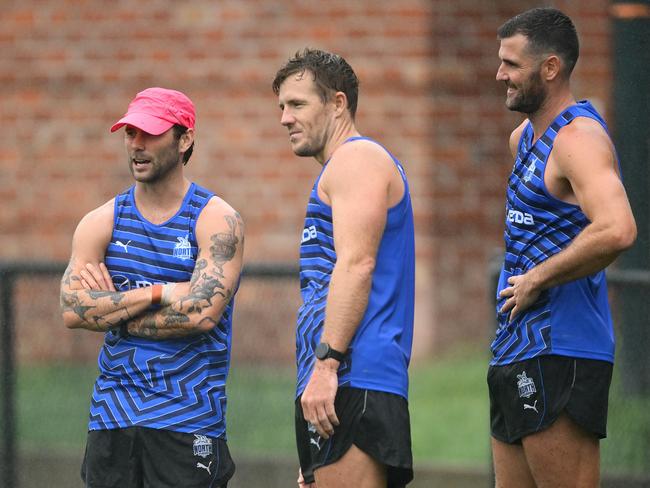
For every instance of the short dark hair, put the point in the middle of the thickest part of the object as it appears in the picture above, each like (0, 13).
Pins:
(331, 74)
(179, 130)
(548, 31)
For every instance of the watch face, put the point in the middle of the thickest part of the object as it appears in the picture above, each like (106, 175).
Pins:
(321, 350)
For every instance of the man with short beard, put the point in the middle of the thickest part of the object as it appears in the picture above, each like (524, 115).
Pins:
(567, 218)
(155, 270)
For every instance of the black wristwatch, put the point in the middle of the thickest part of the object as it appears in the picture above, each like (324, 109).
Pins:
(324, 351)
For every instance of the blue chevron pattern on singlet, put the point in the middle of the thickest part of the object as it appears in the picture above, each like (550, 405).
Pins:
(572, 319)
(381, 346)
(174, 384)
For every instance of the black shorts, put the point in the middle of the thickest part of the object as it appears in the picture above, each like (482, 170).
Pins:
(376, 422)
(528, 396)
(138, 457)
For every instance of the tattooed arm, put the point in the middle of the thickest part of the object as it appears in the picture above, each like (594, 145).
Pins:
(197, 308)
(102, 308)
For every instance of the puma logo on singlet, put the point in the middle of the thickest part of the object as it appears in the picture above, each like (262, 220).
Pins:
(207, 468)
(121, 244)
(531, 407)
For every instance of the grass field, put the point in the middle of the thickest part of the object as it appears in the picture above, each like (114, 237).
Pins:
(448, 409)
(448, 404)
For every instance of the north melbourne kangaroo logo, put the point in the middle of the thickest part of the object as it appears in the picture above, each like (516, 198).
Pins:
(121, 244)
(530, 172)
(207, 468)
(202, 446)
(525, 385)
(183, 248)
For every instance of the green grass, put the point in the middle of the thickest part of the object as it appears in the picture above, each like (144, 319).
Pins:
(52, 405)
(448, 409)
(627, 447)
(448, 405)
(260, 415)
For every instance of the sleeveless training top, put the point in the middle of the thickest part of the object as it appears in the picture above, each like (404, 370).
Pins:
(381, 347)
(572, 319)
(174, 384)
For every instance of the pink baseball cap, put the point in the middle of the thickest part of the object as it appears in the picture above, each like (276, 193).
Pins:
(156, 110)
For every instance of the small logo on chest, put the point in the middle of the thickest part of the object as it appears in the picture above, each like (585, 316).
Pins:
(530, 172)
(123, 245)
(183, 248)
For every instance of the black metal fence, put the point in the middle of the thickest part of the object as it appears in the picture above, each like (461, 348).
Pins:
(13, 272)
(267, 291)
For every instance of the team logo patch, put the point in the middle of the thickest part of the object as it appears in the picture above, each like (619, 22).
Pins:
(526, 386)
(183, 248)
(202, 446)
(530, 171)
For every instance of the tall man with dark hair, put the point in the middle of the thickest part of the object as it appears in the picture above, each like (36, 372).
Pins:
(567, 218)
(155, 269)
(355, 326)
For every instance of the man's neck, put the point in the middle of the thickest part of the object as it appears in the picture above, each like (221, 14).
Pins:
(340, 134)
(160, 201)
(553, 106)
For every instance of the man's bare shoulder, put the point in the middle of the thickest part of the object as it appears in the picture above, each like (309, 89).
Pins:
(515, 137)
(218, 206)
(217, 216)
(583, 129)
(100, 216)
(94, 233)
(359, 156)
(584, 139)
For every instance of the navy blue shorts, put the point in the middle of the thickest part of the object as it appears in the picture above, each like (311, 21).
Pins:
(528, 396)
(138, 457)
(376, 422)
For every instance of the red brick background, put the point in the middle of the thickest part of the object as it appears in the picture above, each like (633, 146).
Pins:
(69, 68)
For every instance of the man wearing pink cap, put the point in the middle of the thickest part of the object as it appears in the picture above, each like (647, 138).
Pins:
(155, 269)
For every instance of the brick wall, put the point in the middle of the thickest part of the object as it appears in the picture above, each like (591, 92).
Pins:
(69, 68)
(470, 147)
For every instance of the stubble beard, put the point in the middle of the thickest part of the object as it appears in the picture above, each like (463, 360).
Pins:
(309, 149)
(530, 100)
(159, 167)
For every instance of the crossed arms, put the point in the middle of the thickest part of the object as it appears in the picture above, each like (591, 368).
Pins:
(89, 299)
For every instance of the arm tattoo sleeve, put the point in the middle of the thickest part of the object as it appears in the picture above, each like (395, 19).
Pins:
(85, 303)
(186, 316)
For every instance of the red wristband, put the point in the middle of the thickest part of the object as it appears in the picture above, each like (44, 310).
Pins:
(156, 294)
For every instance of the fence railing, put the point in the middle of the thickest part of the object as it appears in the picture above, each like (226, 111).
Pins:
(10, 272)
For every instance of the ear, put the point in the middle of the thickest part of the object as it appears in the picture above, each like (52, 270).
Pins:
(551, 68)
(186, 140)
(340, 103)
